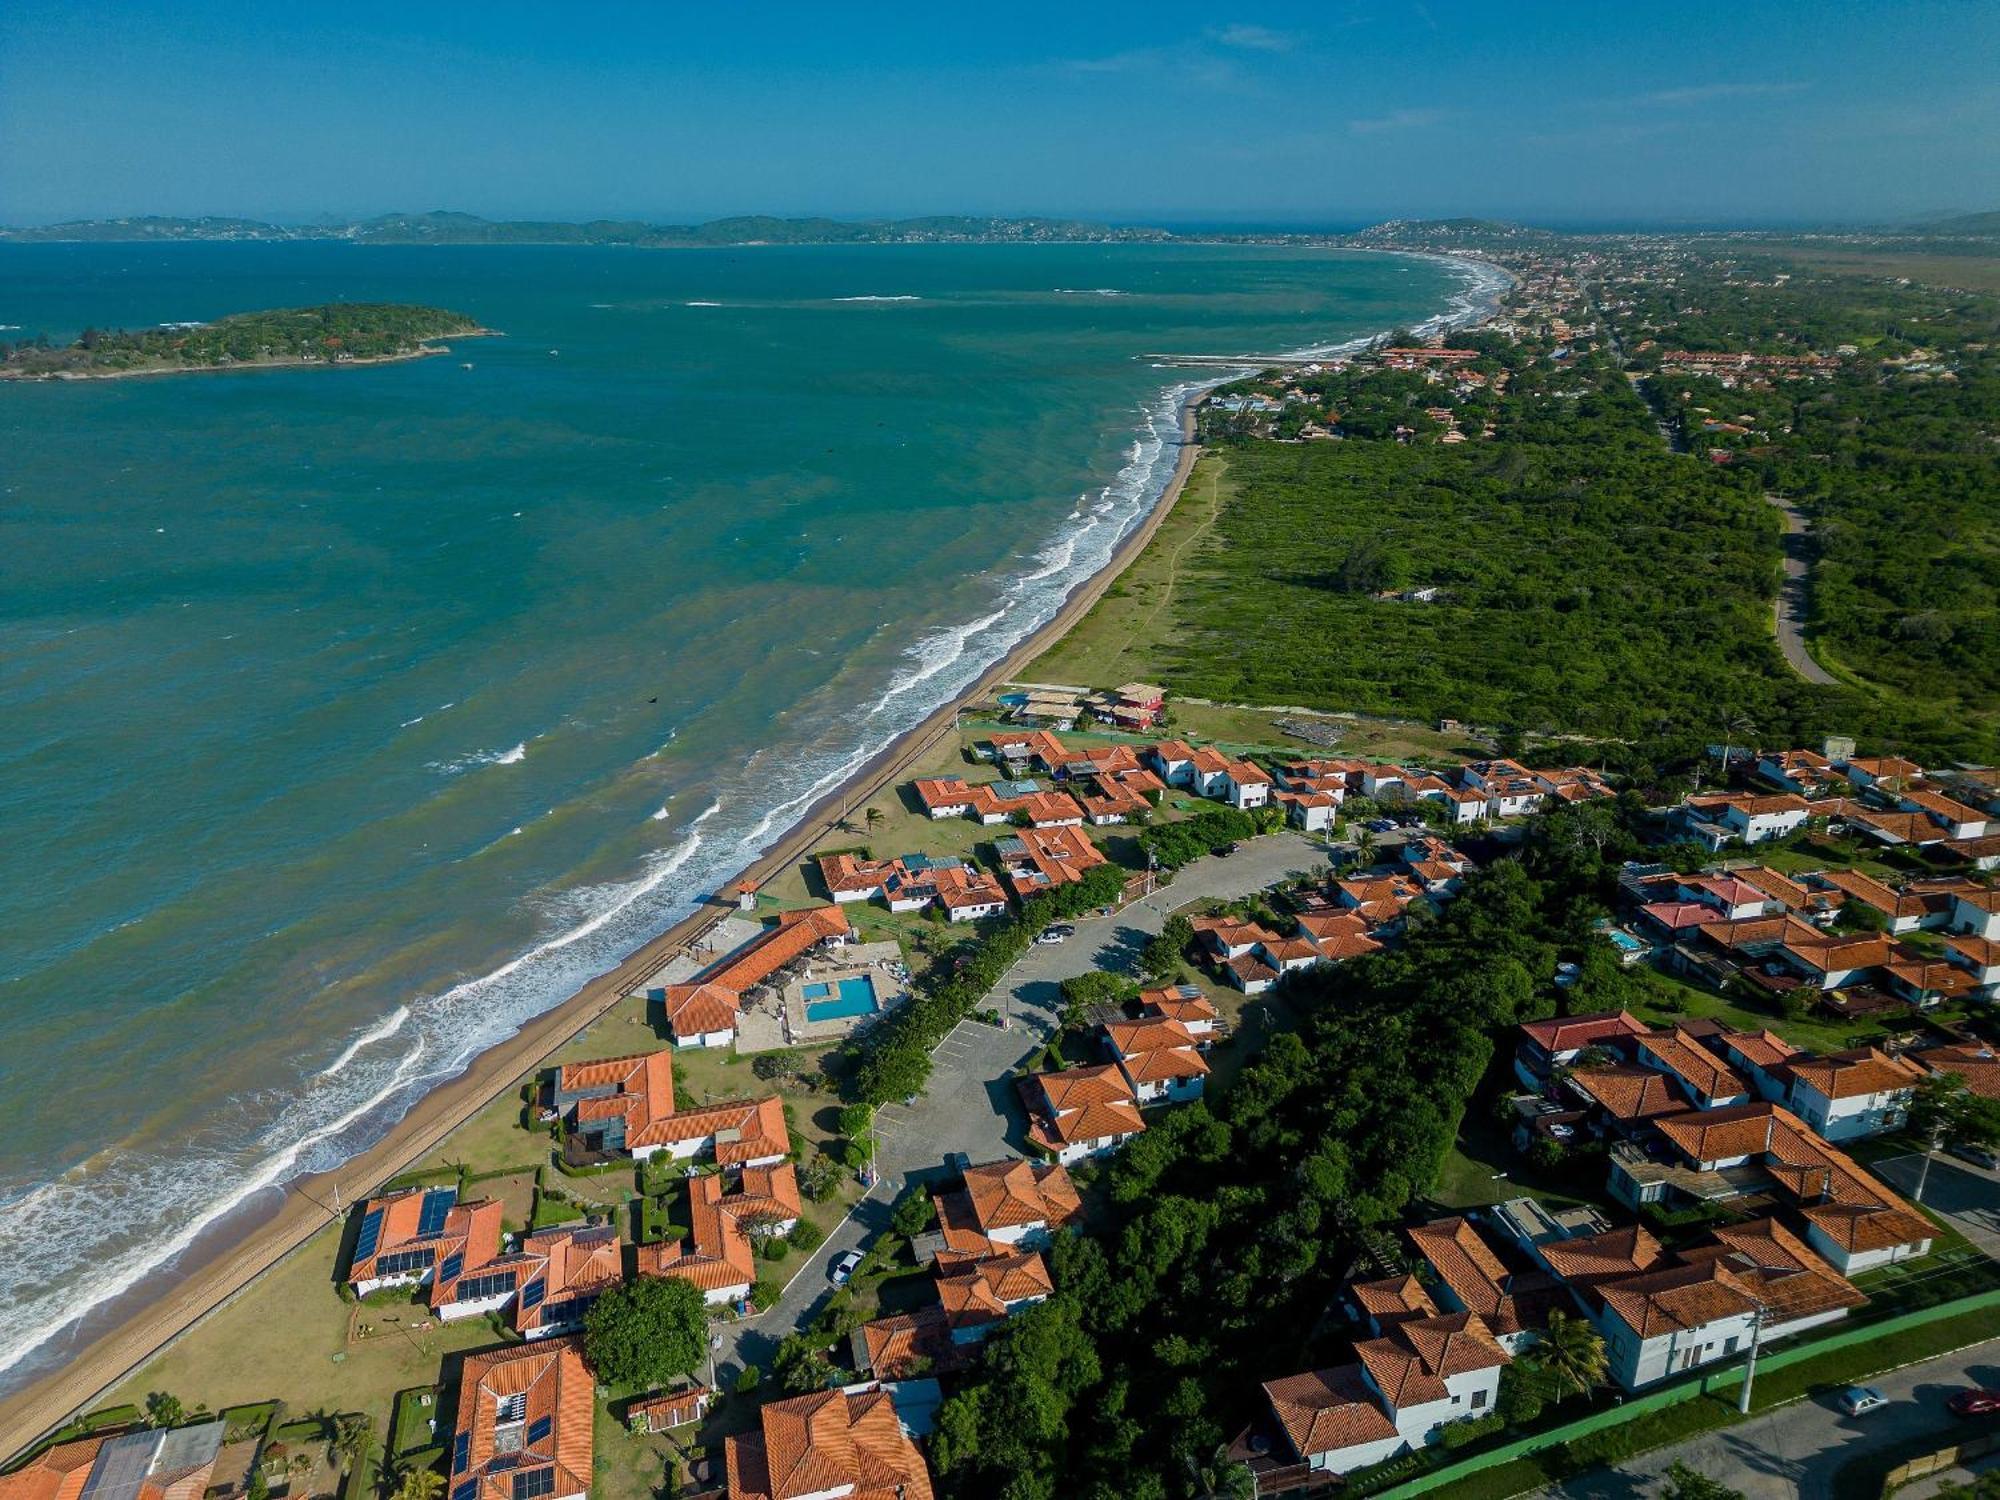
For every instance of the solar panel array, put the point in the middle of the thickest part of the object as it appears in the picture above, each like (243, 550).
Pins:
(466, 1491)
(491, 1284)
(532, 1293)
(532, 1484)
(370, 1236)
(437, 1204)
(398, 1261)
(539, 1429)
(461, 1453)
(453, 1264)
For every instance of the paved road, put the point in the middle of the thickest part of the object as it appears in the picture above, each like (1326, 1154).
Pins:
(1797, 1449)
(1789, 609)
(971, 1106)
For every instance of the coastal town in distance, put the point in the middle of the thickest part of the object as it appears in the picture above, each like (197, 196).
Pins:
(1463, 960)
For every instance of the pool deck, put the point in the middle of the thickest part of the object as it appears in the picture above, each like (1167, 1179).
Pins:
(768, 1028)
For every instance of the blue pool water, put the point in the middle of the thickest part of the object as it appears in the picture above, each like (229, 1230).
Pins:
(854, 996)
(1624, 940)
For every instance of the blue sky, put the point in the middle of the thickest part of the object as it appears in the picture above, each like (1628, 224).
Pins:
(1341, 111)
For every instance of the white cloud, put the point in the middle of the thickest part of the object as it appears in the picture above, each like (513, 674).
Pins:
(1397, 119)
(1255, 38)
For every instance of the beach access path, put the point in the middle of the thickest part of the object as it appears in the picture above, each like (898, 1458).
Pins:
(971, 1107)
(176, 1301)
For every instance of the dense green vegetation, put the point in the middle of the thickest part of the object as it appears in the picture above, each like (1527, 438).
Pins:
(1227, 1228)
(1893, 459)
(646, 1331)
(1593, 582)
(331, 334)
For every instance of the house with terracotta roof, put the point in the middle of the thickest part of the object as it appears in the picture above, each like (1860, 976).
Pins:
(1116, 796)
(1953, 818)
(1513, 1298)
(525, 1424)
(703, 1011)
(1976, 913)
(1622, 1099)
(1661, 1314)
(1079, 1113)
(729, 1214)
(1980, 958)
(1888, 771)
(1007, 1205)
(830, 1445)
(626, 1105)
(1848, 1095)
(1172, 761)
(1724, 818)
(1545, 1046)
(1806, 772)
(1421, 1375)
(1974, 1064)
(150, 1464)
(669, 1410)
(1379, 898)
(1225, 937)
(418, 1236)
(1160, 1059)
(565, 1269)
(1735, 899)
(1760, 1056)
(1848, 1217)
(975, 1294)
(1706, 1079)
(1184, 1003)
(1038, 859)
(1830, 960)
(912, 882)
(997, 802)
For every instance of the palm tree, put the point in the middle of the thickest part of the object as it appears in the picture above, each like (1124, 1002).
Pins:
(353, 1436)
(874, 817)
(420, 1484)
(1223, 1478)
(1571, 1353)
(1364, 844)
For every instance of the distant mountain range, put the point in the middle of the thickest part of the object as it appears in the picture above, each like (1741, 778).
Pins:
(470, 229)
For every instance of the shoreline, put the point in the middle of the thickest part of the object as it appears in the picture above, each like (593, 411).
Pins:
(48, 1402)
(423, 351)
(270, 1226)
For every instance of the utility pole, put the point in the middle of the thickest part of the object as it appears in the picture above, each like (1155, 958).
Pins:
(1750, 1365)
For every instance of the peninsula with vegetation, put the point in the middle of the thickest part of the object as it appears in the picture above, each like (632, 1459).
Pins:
(341, 333)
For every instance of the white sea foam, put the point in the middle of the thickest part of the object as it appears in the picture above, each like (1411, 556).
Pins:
(1090, 291)
(511, 757)
(701, 304)
(906, 297)
(381, 1031)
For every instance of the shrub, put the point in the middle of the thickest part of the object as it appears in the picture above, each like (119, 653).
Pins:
(1469, 1430)
(764, 1293)
(806, 1236)
(775, 1248)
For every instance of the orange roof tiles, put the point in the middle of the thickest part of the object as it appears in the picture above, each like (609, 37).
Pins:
(1699, 1069)
(1629, 1092)
(717, 1254)
(1678, 1298)
(1394, 1297)
(527, 1384)
(1848, 1075)
(1573, 1033)
(830, 1441)
(1009, 1194)
(1409, 1364)
(1323, 1411)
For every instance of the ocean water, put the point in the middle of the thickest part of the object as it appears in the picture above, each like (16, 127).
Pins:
(352, 717)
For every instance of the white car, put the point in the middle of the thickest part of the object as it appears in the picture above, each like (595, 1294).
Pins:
(1857, 1400)
(843, 1268)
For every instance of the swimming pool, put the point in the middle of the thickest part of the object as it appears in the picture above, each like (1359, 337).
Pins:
(1624, 941)
(853, 996)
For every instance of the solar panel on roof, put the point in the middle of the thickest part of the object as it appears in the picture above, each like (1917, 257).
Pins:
(466, 1491)
(461, 1453)
(370, 1236)
(531, 1484)
(437, 1204)
(453, 1264)
(539, 1429)
(532, 1294)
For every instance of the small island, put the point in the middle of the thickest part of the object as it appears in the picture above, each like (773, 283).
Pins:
(341, 333)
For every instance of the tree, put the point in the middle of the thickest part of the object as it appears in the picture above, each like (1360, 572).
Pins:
(1160, 960)
(353, 1440)
(1364, 845)
(914, 1213)
(1684, 1483)
(1944, 1112)
(821, 1177)
(1571, 1353)
(800, 1365)
(874, 818)
(420, 1484)
(646, 1332)
(1222, 1478)
(164, 1409)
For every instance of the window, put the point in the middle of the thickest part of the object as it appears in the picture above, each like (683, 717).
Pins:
(1478, 1399)
(1729, 1344)
(532, 1484)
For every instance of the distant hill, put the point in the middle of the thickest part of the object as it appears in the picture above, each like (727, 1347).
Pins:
(1984, 224)
(469, 229)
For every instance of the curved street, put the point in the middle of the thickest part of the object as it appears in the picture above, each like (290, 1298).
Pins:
(1789, 608)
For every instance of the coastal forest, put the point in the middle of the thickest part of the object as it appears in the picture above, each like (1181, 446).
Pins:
(336, 333)
(1582, 545)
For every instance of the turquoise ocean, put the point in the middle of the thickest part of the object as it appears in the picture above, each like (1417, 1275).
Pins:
(352, 717)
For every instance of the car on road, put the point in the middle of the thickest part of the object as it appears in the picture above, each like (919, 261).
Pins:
(1859, 1400)
(1055, 933)
(1974, 1403)
(843, 1268)
(1971, 1151)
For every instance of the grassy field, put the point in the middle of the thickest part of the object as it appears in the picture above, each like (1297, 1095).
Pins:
(1975, 273)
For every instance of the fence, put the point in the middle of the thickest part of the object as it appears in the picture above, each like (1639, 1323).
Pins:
(1652, 1401)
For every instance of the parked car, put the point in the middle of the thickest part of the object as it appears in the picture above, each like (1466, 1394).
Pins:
(843, 1268)
(1223, 851)
(1974, 1403)
(1979, 1156)
(1859, 1400)
(1381, 825)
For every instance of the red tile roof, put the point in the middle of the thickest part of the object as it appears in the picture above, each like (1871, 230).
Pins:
(554, 1384)
(827, 1442)
(1324, 1411)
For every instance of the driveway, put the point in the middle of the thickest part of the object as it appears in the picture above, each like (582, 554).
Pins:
(971, 1105)
(1968, 1196)
(1798, 1449)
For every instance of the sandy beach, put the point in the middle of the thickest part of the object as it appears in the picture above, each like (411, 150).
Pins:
(306, 1205)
